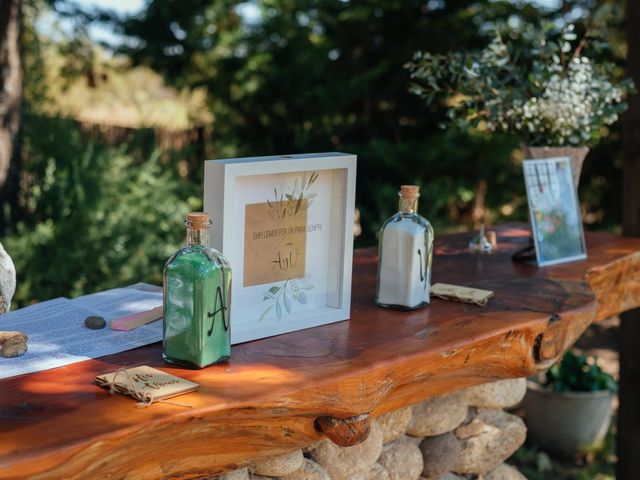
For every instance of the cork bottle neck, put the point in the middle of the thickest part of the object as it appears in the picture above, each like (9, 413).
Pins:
(197, 224)
(197, 236)
(408, 204)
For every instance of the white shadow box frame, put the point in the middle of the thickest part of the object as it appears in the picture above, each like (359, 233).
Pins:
(285, 224)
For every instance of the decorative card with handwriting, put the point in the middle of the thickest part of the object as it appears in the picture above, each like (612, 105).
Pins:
(275, 240)
(146, 384)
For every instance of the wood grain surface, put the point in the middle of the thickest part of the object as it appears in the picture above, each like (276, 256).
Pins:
(266, 400)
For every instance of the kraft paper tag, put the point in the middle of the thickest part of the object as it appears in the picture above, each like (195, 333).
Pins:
(476, 296)
(145, 384)
(275, 241)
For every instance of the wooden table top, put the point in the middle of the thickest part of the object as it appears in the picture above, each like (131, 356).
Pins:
(57, 424)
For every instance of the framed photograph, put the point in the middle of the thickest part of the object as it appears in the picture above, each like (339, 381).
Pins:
(556, 222)
(285, 223)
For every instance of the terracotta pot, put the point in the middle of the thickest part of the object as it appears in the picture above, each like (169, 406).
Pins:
(576, 154)
(567, 423)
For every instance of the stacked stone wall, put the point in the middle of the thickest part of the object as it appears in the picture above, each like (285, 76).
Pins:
(465, 435)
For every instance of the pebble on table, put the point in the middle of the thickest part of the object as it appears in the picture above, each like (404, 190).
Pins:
(95, 322)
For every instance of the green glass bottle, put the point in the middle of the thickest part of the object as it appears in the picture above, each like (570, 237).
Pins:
(197, 296)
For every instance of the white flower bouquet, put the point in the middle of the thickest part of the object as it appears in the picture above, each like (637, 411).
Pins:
(535, 82)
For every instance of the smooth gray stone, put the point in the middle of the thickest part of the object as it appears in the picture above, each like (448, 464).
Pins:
(95, 322)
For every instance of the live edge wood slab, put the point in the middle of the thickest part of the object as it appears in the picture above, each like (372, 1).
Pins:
(282, 393)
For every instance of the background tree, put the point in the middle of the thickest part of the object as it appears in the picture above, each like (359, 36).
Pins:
(629, 413)
(10, 104)
(318, 75)
(322, 75)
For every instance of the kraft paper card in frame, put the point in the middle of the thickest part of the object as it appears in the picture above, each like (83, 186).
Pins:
(286, 226)
(275, 240)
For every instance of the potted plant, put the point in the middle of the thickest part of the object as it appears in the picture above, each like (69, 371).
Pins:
(539, 82)
(568, 409)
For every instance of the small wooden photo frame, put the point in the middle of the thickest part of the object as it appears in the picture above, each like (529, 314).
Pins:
(285, 223)
(554, 211)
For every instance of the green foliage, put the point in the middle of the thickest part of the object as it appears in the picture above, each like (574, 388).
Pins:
(327, 75)
(536, 464)
(33, 62)
(579, 373)
(94, 216)
(450, 165)
(67, 75)
(318, 75)
(532, 80)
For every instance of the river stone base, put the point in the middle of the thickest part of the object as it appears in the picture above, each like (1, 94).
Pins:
(461, 436)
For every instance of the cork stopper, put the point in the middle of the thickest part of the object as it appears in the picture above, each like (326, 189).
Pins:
(410, 192)
(198, 220)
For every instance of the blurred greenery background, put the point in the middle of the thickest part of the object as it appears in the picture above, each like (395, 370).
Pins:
(116, 130)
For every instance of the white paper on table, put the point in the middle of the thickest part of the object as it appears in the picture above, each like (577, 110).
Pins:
(57, 335)
(118, 302)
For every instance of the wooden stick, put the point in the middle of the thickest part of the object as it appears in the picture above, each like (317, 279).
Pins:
(136, 320)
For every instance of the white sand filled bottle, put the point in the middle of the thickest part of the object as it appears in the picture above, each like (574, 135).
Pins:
(404, 256)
